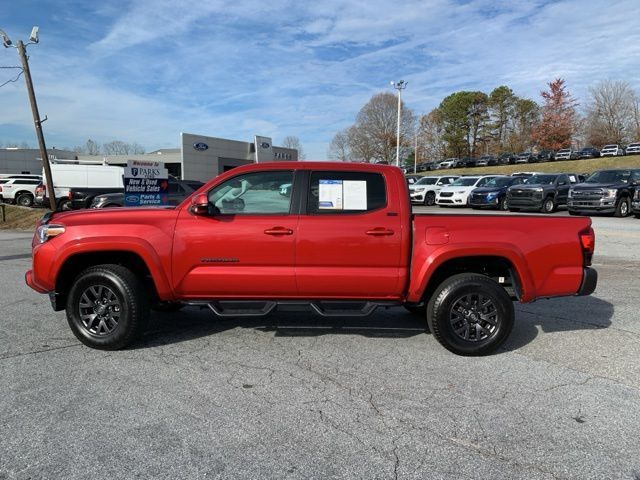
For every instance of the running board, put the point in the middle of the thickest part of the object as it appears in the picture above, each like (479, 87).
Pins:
(256, 308)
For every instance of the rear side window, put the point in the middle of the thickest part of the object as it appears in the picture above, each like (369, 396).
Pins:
(345, 192)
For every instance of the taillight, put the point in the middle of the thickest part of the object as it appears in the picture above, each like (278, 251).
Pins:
(70, 195)
(588, 243)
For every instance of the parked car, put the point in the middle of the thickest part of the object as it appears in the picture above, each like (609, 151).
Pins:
(526, 157)
(462, 163)
(605, 191)
(546, 156)
(486, 160)
(589, 152)
(494, 193)
(544, 192)
(508, 158)
(371, 252)
(20, 191)
(448, 163)
(566, 154)
(612, 150)
(177, 192)
(457, 194)
(524, 174)
(424, 191)
(633, 149)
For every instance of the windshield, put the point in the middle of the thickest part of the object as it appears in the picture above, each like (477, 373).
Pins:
(500, 182)
(610, 146)
(427, 181)
(542, 179)
(634, 144)
(610, 176)
(564, 150)
(465, 182)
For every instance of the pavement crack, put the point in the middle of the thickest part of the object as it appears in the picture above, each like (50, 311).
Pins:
(34, 352)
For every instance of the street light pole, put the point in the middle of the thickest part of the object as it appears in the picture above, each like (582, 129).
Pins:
(401, 85)
(22, 51)
(415, 155)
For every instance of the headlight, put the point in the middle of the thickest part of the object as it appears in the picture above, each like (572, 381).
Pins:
(45, 232)
(457, 192)
(420, 189)
(610, 192)
(491, 194)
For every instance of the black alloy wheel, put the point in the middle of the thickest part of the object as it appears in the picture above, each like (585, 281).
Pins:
(430, 199)
(470, 314)
(623, 207)
(107, 307)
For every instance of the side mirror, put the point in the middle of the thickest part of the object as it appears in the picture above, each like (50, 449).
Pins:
(200, 205)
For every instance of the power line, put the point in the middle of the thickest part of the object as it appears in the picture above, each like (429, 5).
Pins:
(14, 79)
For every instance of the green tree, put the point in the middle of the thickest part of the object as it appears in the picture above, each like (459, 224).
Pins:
(464, 116)
(501, 106)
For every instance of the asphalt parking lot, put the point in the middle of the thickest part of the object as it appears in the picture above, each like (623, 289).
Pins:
(294, 396)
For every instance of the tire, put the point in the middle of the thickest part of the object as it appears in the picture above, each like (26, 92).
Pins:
(430, 199)
(471, 333)
(502, 205)
(115, 296)
(548, 205)
(24, 200)
(64, 205)
(623, 207)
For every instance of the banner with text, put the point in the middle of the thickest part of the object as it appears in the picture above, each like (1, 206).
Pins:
(145, 183)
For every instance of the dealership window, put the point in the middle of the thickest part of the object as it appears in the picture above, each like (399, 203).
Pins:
(254, 194)
(345, 193)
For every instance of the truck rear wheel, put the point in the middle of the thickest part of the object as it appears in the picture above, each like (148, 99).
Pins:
(107, 307)
(470, 314)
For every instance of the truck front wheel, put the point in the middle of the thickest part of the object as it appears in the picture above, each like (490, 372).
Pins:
(107, 307)
(470, 314)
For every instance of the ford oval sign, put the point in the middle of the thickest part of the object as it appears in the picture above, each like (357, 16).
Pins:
(265, 145)
(200, 146)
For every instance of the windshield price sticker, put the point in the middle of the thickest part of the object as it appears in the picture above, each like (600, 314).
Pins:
(342, 195)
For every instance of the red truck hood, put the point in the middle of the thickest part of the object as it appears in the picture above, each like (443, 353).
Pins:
(111, 215)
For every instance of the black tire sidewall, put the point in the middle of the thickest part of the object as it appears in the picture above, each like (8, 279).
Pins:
(127, 289)
(29, 201)
(443, 299)
(430, 199)
(546, 203)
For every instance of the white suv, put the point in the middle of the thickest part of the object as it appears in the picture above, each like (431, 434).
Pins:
(424, 191)
(633, 148)
(612, 151)
(20, 191)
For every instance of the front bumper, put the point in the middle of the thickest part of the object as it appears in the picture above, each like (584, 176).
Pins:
(635, 207)
(589, 282)
(527, 203)
(457, 199)
(417, 197)
(604, 205)
(484, 201)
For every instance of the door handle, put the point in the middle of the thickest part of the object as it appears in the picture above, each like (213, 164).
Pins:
(278, 231)
(380, 232)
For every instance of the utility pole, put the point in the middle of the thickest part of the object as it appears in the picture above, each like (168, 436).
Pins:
(22, 51)
(415, 155)
(401, 85)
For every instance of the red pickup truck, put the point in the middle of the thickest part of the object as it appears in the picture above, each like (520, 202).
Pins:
(336, 238)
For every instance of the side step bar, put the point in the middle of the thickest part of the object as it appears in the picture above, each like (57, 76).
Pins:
(256, 308)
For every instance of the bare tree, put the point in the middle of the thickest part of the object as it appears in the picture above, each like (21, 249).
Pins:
(361, 147)
(91, 147)
(431, 144)
(610, 113)
(339, 149)
(137, 149)
(293, 142)
(377, 124)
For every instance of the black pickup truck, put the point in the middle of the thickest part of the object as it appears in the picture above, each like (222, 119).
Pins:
(605, 191)
(544, 192)
(91, 197)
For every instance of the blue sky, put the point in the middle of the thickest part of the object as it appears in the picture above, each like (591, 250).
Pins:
(147, 70)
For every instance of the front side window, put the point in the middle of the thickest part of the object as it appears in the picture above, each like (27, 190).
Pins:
(253, 193)
(345, 192)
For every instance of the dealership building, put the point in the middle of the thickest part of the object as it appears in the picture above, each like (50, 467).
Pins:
(199, 157)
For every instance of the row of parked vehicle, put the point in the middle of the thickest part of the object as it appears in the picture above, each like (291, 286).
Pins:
(509, 158)
(615, 192)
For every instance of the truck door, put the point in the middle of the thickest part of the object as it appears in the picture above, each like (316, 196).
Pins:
(245, 247)
(350, 237)
(563, 184)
